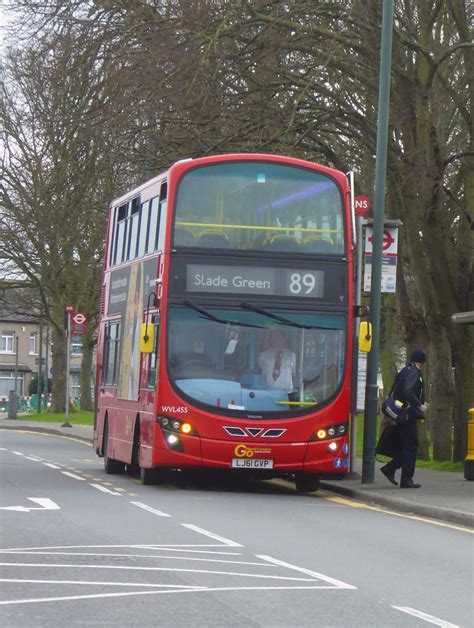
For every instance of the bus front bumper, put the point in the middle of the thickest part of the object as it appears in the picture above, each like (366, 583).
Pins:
(309, 457)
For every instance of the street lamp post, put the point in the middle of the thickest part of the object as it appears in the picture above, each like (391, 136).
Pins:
(371, 390)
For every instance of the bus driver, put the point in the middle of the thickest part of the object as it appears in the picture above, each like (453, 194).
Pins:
(278, 363)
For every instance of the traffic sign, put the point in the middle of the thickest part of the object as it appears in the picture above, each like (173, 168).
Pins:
(79, 318)
(79, 323)
(69, 308)
(389, 244)
(389, 259)
(361, 205)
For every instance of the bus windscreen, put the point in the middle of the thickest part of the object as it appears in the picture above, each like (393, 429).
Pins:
(258, 361)
(259, 206)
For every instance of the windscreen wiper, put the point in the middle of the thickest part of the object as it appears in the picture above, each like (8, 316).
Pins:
(211, 317)
(276, 317)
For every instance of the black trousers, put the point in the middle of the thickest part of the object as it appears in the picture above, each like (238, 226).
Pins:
(406, 459)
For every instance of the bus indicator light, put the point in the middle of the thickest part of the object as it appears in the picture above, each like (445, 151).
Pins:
(321, 434)
(186, 428)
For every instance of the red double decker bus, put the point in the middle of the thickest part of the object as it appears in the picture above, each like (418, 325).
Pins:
(226, 326)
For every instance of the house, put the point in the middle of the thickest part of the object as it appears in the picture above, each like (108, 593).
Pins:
(22, 332)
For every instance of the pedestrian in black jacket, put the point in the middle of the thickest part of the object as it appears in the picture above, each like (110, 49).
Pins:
(408, 388)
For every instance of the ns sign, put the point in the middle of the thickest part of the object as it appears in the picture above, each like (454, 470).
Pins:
(361, 205)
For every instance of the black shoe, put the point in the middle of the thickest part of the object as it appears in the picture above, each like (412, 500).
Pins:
(409, 484)
(390, 475)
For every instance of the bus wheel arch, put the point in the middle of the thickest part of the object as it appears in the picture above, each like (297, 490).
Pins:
(111, 466)
(134, 466)
(148, 475)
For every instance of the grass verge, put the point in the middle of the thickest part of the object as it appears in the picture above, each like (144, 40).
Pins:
(80, 417)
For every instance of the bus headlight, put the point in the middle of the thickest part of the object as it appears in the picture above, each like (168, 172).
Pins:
(331, 431)
(175, 425)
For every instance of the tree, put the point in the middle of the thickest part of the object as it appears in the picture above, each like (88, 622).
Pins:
(59, 173)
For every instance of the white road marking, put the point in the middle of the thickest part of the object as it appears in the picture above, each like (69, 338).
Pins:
(162, 547)
(31, 458)
(51, 465)
(104, 584)
(18, 453)
(135, 593)
(337, 583)
(429, 618)
(44, 502)
(150, 509)
(216, 537)
(72, 475)
(3, 449)
(150, 556)
(105, 490)
(168, 569)
(93, 596)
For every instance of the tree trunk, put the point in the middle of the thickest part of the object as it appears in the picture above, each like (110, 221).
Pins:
(86, 374)
(58, 403)
(441, 396)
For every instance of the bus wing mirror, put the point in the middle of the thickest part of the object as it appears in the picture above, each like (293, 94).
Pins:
(365, 337)
(147, 337)
(361, 311)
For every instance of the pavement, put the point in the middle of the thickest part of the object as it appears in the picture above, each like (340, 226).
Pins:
(444, 495)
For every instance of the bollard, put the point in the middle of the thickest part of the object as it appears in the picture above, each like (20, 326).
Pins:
(12, 404)
(469, 461)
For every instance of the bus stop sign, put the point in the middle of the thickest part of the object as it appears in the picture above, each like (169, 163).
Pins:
(361, 205)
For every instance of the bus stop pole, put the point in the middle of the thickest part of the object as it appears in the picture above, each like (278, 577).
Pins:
(371, 390)
(39, 388)
(68, 368)
(13, 394)
(355, 345)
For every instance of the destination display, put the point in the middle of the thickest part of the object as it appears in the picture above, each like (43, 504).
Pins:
(255, 280)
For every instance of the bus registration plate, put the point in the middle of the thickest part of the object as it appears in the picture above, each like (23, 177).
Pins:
(252, 463)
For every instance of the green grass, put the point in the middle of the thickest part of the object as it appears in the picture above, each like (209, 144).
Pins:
(425, 464)
(81, 417)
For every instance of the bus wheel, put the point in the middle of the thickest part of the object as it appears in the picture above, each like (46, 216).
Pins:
(148, 476)
(111, 466)
(307, 482)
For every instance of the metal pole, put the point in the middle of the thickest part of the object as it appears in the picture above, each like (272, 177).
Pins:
(46, 365)
(68, 367)
(13, 396)
(355, 345)
(40, 367)
(370, 417)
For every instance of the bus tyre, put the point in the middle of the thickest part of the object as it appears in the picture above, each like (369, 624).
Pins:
(307, 482)
(148, 476)
(111, 466)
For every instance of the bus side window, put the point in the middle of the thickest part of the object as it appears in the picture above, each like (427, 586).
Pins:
(153, 226)
(162, 229)
(113, 236)
(163, 205)
(111, 354)
(133, 229)
(154, 358)
(120, 233)
(143, 228)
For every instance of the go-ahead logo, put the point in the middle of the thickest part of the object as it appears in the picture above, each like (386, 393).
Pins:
(244, 451)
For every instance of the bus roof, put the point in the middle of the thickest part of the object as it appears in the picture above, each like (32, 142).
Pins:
(220, 158)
